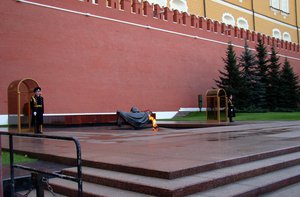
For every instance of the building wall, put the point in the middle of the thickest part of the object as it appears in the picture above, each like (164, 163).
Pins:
(90, 58)
(216, 10)
(264, 21)
(261, 24)
(196, 7)
(265, 18)
(263, 7)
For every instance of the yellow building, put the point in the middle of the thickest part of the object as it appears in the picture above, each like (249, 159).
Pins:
(277, 18)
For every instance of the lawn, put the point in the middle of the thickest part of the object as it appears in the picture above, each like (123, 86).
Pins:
(17, 158)
(268, 116)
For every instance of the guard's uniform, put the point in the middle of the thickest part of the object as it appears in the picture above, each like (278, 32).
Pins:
(231, 110)
(37, 105)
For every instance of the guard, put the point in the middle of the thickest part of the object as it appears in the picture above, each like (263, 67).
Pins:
(231, 109)
(37, 110)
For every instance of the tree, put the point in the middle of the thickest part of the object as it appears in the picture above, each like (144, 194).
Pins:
(289, 86)
(273, 88)
(262, 67)
(253, 89)
(230, 78)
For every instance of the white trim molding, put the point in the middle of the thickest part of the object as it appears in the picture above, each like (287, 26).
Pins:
(3, 119)
(165, 114)
(159, 115)
(191, 109)
(233, 6)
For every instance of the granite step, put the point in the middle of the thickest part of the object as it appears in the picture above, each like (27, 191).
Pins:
(192, 170)
(69, 188)
(189, 184)
(257, 186)
(290, 191)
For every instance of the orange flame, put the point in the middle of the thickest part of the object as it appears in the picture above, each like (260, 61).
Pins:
(154, 124)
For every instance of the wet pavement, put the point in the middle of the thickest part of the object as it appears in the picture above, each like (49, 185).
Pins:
(166, 150)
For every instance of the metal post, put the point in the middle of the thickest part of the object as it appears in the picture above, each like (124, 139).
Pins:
(296, 13)
(77, 179)
(12, 172)
(253, 15)
(79, 170)
(204, 8)
(38, 184)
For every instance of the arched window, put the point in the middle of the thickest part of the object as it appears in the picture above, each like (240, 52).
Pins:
(274, 4)
(161, 3)
(228, 19)
(285, 6)
(242, 23)
(276, 33)
(179, 5)
(286, 37)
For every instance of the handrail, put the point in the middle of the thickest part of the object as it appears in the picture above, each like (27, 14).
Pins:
(77, 179)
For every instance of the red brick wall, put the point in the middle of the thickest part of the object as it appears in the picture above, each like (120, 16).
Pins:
(87, 64)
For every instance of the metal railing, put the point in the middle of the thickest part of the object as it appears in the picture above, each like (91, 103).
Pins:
(77, 179)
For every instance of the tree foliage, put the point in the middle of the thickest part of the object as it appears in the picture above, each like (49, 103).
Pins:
(262, 67)
(252, 86)
(289, 88)
(230, 78)
(257, 82)
(273, 76)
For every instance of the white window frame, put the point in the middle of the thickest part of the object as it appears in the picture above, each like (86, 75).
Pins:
(174, 6)
(244, 21)
(275, 4)
(224, 19)
(161, 3)
(286, 37)
(276, 33)
(284, 7)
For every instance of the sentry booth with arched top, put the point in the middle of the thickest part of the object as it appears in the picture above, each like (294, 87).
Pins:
(216, 110)
(19, 93)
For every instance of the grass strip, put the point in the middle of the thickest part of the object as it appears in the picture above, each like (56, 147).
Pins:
(266, 116)
(17, 158)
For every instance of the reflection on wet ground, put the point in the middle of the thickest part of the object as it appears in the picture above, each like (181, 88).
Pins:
(184, 147)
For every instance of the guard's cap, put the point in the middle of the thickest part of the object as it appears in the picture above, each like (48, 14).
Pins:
(36, 89)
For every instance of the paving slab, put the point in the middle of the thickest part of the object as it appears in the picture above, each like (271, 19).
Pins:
(166, 150)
